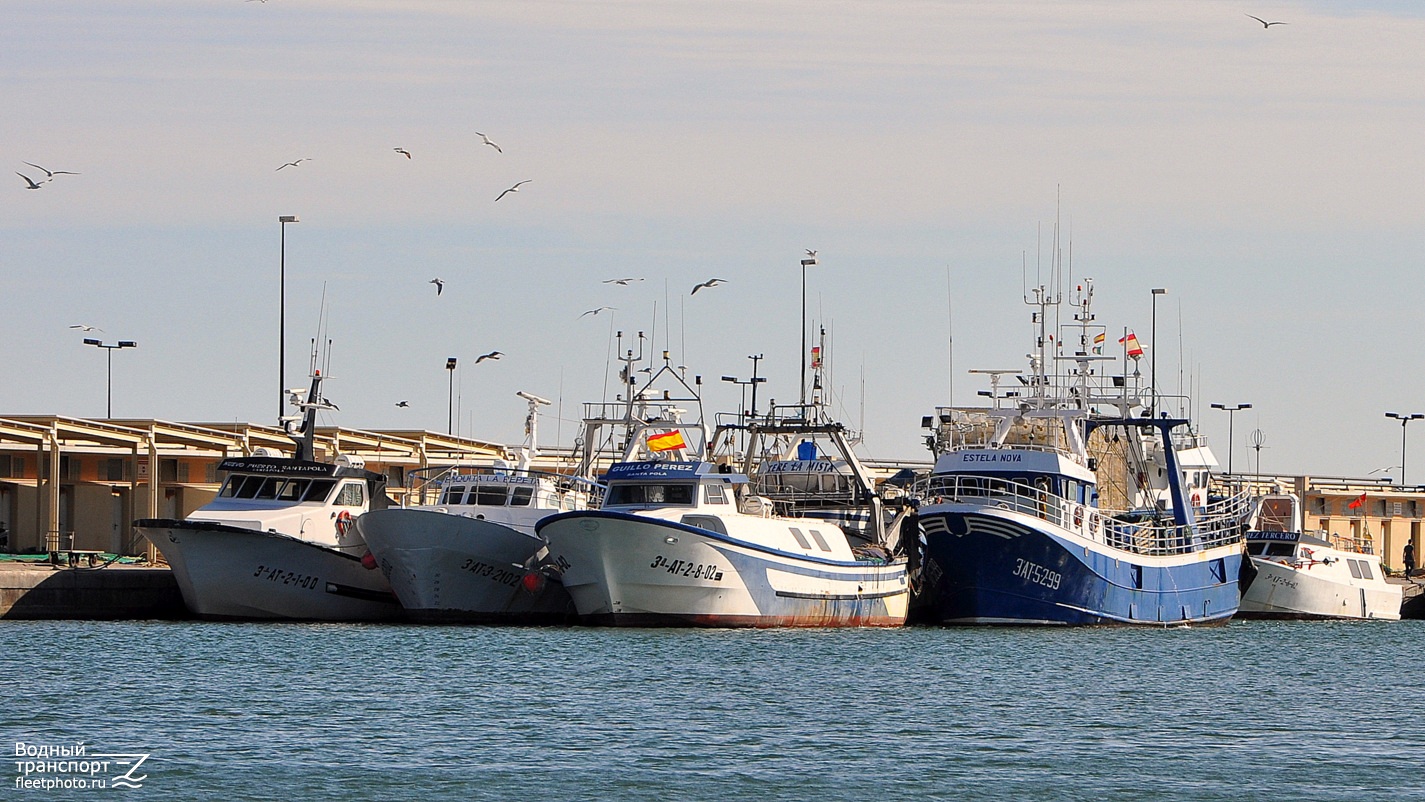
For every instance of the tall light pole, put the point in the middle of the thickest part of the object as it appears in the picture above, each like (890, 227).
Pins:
(1153, 356)
(450, 397)
(282, 317)
(810, 260)
(109, 392)
(756, 380)
(1231, 417)
(1404, 420)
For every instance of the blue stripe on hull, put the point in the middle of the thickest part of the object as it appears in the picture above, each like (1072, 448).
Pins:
(989, 570)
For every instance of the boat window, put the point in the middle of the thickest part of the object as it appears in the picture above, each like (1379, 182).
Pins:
(1366, 570)
(712, 523)
(1280, 549)
(269, 488)
(352, 495)
(651, 494)
(715, 494)
(292, 490)
(320, 489)
(820, 541)
(1256, 549)
(521, 496)
(802, 541)
(1355, 567)
(490, 495)
(230, 487)
(250, 486)
(453, 494)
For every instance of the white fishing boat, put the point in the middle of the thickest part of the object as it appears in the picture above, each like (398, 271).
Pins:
(1302, 575)
(473, 555)
(278, 541)
(680, 542)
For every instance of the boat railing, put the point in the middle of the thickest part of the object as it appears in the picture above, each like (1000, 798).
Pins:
(424, 486)
(1139, 532)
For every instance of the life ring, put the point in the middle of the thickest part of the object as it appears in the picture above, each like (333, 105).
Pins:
(343, 522)
(1078, 515)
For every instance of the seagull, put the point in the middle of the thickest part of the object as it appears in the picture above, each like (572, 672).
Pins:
(83, 327)
(620, 281)
(491, 355)
(403, 152)
(515, 188)
(1266, 24)
(488, 142)
(439, 285)
(712, 282)
(600, 309)
(295, 163)
(30, 181)
(50, 174)
(403, 403)
(811, 253)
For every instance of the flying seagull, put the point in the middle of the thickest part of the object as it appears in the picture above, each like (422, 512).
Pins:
(295, 163)
(439, 285)
(811, 253)
(50, 174)
(403, 152)
(491, 355)
(515, 188)
(487, 141)
(712, 282)
(620, 281)
(1266, 24)
(403, 403)
(83, 327)
(600, 309)
(30, 181)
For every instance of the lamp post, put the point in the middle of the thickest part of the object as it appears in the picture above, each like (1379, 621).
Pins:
(1404, 420)
(109, 391)
(1231, 417)
(810, 260)
(1153, 357)
(450, 397)
(282, 315)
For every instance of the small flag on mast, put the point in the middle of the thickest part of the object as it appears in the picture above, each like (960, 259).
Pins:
(815, 357)
(1130, 340)
(1098, 342)
(1355, 505)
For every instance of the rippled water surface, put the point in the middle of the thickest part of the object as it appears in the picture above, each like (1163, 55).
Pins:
(1254, 710)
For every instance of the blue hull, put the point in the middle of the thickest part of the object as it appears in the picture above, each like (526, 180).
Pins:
(992, 569)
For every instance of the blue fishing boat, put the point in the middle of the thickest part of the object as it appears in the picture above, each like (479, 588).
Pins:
(1065, 502)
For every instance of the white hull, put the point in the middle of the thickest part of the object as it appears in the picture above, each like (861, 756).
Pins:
(628, 570)
(230, 572)
(1318, 591)
(447, 567)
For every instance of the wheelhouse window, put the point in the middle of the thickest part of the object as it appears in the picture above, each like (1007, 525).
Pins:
(521, 496)
(651, 494)
(453, 494)
(490, 495)
(352, 495)
(715, 494)
(320, 489)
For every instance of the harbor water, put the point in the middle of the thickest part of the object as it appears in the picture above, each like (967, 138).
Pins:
(1253, 710)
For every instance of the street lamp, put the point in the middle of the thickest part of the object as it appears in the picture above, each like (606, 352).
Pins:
(1404, 419)
(810, 260)
(450, 397)
(1153, 355)
(282, 316)
(109, 392)
(1231, 417)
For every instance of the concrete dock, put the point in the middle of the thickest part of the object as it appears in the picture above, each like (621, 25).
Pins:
(42, 590)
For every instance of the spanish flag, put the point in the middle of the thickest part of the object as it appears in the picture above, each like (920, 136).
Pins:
(815, 357)
(667, 441)
(1098, 343)
(1130, 341)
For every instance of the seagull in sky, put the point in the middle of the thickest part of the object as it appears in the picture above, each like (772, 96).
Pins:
(712, 282)
(295, 163)
(439, 285)
(620, 281)
(83, 327)
(1266, 24)
(515, 188)
(403, 403)
(403, 152)
(811, 253)
(30, 181)
(600, 309)
(491, 355)
(50, 174)
(487, 141)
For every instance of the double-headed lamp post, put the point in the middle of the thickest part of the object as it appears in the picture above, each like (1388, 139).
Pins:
(1404, 420)
(282, 316)
(450, 397)
(1231, 417)
(109, 391)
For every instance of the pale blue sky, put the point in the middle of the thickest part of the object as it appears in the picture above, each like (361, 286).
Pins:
(1271, 180)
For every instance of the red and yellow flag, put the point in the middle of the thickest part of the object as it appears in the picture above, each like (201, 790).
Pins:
(1130, 341)
(1355, 505)
(666, 441)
